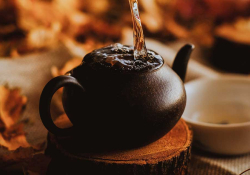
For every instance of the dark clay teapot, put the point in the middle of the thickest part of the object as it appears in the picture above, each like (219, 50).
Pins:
(114, 101)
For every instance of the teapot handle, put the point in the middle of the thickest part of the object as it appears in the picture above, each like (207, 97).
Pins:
(45, 100)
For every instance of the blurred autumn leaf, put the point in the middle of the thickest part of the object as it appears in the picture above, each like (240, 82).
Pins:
(12, 103)
(69, 65)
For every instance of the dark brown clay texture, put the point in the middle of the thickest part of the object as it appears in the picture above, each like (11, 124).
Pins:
(121, 109)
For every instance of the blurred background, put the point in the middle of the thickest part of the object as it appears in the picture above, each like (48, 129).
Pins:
(29, 26)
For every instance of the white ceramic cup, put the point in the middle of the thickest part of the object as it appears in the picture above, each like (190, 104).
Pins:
(218, 111)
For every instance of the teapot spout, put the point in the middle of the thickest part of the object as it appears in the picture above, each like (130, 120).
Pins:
(181, 60)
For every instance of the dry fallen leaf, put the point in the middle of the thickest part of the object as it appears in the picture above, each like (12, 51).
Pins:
(11, 105)
(12, 135)
(19, 155)
(43, 37)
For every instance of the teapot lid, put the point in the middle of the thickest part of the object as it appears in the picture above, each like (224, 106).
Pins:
(120, 57)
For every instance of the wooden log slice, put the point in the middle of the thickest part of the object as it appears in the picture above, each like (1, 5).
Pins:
(168, 155)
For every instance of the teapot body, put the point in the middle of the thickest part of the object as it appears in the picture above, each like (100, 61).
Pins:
(120, 109)
(116, 101)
